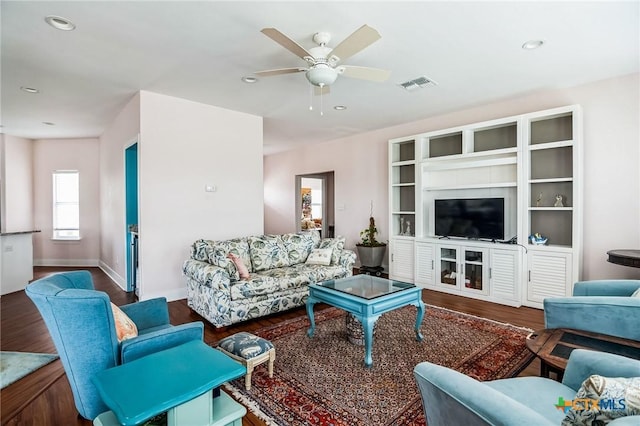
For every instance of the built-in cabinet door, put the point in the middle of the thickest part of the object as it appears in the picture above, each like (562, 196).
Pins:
(473, 264)
(549, 275)
(402, 260)
(504, 275)
(447, 266)
(425, 263)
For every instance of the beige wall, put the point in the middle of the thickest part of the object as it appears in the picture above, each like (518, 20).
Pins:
(17, 184)
(611, 178)
(50, 155)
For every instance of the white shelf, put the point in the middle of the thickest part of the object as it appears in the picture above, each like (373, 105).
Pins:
(404, 184)
(551, 180)
(550, 208)
(401, 212)
(475, 186)
(551, 145)
(403, 163)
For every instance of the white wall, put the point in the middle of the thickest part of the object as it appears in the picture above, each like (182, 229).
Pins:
(184, 146)
(123, 130)
(50, 155)
(17, 181)
(611, 163)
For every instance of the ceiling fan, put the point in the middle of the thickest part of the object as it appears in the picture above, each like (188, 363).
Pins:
(324, 62)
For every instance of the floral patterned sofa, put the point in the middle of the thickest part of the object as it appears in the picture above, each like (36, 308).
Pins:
(279, 266)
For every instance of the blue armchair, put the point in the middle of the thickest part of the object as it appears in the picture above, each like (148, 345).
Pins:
(452, 398)
(81, 324)
(603, 306)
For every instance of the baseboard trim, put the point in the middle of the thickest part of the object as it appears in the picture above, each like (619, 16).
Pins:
(115, 277)
(87, 263)
(172, 295)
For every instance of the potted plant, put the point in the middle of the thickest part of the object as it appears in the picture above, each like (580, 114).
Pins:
(370, 250)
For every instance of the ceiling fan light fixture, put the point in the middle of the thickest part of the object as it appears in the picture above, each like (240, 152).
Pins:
(321, 75)
(249, 79)
(339, 107)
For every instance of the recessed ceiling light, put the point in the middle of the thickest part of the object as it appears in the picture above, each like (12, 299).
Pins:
(60, 23)
(249, 79)
(532, 44)
(339, 107)
(48, 123)
(29, 89)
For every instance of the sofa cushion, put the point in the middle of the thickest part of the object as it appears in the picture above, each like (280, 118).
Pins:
(237, 246)
(299, 245)
(335, 244)
(256, 285)
(268, 252)
(201, 250)
(219, 257)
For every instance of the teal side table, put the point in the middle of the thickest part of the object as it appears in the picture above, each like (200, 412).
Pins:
(179, 380)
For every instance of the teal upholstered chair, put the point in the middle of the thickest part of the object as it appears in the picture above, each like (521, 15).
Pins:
(452, 398)
(81, 324)
(603, 306)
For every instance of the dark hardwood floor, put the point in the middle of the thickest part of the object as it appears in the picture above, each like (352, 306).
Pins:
(44, 397)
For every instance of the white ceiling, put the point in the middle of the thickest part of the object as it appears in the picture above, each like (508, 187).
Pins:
(200, 50)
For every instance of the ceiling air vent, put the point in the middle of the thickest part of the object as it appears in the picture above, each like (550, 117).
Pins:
(417, 83)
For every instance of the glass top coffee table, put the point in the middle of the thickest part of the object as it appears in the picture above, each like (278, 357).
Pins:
(366, 297)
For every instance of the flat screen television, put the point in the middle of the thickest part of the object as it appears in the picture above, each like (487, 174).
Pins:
(477, 218)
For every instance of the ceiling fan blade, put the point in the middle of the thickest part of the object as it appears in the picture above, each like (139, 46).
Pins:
(364, 73)
(360, 39)
(324, 90)
(286, 42)
(269, 73)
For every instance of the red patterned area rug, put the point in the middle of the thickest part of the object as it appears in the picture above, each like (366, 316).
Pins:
(323, 381)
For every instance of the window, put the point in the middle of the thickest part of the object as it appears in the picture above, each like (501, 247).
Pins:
(66, 205)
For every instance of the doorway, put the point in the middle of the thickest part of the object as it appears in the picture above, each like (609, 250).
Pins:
(131, 215)
(315, 203)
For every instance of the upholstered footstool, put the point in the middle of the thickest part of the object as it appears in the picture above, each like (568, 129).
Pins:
(250, 350)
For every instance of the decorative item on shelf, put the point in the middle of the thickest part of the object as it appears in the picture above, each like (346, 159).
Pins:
(558, 202)
(539, 200)
(370, 250)
(401, 225)
(408, 228)
(537, 239)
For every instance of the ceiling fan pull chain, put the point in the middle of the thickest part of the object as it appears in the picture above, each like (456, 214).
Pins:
(321, 105)
(310, 98)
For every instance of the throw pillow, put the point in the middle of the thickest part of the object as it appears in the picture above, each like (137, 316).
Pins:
(603, 399)
(125, 327)
(320, 257)
(336, 245)
(242, 269)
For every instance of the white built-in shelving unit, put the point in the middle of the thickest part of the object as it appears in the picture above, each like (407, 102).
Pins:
(526, 159)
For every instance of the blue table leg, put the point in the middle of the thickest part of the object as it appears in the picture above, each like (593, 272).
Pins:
(419, 317)
(312, 328)
(367, 327)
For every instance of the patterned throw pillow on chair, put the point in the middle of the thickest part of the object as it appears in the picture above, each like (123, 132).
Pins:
(601, 400)
(125, 327)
